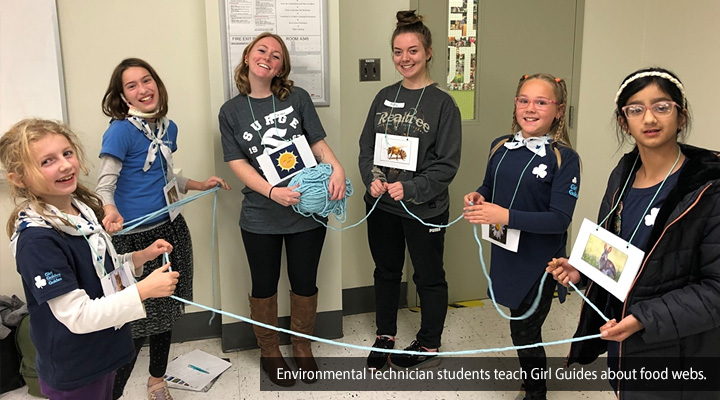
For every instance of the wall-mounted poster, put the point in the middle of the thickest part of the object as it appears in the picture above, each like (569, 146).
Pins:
(303, 26)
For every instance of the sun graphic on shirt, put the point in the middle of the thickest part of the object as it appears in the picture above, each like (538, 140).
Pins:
(287, 161)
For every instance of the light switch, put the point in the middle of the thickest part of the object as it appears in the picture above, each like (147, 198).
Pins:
(369, 69)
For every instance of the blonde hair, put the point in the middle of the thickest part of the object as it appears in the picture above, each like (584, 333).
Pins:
(559, 126)
(281, 86)
(16, 157)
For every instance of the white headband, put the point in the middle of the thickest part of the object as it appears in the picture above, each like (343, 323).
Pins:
(660, 74)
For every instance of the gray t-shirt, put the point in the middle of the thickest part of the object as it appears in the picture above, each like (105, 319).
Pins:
(275, 121)
(437, 124)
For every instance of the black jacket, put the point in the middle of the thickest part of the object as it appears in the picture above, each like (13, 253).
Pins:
(676, 294)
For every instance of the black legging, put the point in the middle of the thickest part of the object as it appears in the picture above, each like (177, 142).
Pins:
(159, 350)
(529, 331)
(264, 253)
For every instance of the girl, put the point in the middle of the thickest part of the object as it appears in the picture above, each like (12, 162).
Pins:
(668, 192)
(63, 255)
(414, 109)
(268, 111)
(135, 173)
(531, 186)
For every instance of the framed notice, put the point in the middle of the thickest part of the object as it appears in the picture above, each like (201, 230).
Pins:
(303, 26)
(608, 260)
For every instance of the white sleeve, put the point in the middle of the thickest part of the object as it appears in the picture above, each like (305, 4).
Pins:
(107, 178)
(182, 183)
(82, 315)
(127, 259)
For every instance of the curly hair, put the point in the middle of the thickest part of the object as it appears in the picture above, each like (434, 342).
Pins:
(281, 86)
(16, 157)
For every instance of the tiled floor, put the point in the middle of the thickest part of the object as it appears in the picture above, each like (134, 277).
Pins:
(465, 328)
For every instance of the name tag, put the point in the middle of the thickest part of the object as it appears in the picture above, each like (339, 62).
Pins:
(391, 104)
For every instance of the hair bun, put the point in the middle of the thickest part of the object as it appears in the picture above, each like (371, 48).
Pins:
(408, 17)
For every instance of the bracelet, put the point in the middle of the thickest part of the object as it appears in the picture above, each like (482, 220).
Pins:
(270, 192)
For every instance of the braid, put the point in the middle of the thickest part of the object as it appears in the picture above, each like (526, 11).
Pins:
(561, 134)
(499, 145)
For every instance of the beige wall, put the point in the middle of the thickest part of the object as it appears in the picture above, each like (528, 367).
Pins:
(366, 32)
(181, 39)
(621, 36)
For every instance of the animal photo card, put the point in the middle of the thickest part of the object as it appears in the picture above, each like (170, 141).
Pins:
(395, 151)
(608, 260)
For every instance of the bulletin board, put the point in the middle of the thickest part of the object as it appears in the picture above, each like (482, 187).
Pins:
(31, 77)
(31, 74)
(303, 26)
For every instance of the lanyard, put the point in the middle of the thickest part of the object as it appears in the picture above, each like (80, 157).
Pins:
(254, 120)
(492, 200)
(407, 131)
(651, 200)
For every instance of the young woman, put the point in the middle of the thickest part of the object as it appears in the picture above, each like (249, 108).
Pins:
(269, 111)
(68, 262)
(662, 198)
(135, 172)
(412, 109)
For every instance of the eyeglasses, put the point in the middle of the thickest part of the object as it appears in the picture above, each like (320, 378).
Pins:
(540, 103)
(659, 109)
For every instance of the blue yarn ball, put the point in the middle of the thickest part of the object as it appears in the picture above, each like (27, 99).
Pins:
(314, 193)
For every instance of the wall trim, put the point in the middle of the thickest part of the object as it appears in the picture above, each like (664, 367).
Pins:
(361, 300)
(239, 335)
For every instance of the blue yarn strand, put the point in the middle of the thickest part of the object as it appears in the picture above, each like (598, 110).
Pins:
(349, 345)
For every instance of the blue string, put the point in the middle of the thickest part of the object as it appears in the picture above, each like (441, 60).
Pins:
(535, 303)
(212, 256)
(130, 225)
(394, 351)
(357, 347)
(427, 223)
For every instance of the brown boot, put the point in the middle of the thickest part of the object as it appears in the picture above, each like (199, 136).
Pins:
(271, 359)
(302, 319)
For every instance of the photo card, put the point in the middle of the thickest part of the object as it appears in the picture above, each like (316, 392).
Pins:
(285, 162)
(501, 235)
(607, 259)
(396, 151)
(172, 195)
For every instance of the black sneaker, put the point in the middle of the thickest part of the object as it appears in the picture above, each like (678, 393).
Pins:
(407, 361)
(377, 360)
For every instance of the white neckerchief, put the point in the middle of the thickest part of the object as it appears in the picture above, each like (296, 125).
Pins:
(89, 227)
(155, 141)
(534, 144)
